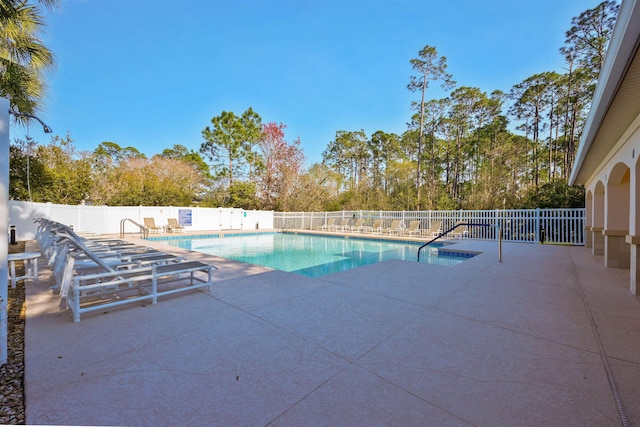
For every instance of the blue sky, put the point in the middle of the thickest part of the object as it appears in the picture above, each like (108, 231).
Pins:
(152, 73)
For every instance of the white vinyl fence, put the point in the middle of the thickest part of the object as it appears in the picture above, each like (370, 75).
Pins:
(560, 226)
(107, 219)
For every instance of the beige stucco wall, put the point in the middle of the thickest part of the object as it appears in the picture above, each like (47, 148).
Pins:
(613, 199)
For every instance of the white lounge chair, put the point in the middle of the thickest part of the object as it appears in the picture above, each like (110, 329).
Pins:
(116, 278)
(460, 231)
(328, 225)
(89, 292)
(375, 228)
(73, 256)
(434, 229)
(358, 225)
(414, 228)
(344, 224)
(395, 227)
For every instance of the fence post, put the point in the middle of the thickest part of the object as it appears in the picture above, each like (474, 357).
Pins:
(537, 225)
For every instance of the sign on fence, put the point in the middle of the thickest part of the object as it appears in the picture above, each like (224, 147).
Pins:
(185, 217)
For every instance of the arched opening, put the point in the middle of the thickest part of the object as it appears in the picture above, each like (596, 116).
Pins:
(617, 202)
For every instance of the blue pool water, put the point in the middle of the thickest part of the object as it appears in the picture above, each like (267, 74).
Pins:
(309, 255)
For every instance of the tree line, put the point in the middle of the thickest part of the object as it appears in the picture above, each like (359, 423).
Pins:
(470, 150)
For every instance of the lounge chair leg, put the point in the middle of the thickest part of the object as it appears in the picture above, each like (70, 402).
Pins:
(76, 305)
(154, 288)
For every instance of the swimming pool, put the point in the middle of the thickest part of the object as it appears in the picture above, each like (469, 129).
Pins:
(309, 255)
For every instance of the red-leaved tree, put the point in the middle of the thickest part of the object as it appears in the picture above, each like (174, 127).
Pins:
(282, 165)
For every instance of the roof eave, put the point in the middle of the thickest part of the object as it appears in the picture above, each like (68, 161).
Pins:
(622, 47)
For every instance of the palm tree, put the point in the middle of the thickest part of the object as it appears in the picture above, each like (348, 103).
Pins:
(23, 56)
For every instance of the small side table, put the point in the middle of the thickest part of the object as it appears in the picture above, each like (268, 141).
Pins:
(30, 266)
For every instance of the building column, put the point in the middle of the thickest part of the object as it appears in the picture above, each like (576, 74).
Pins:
(634, 273)
(588, 237)
(597, 241)
(616, 249)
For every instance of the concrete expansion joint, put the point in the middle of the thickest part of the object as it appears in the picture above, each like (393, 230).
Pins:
(624, 417)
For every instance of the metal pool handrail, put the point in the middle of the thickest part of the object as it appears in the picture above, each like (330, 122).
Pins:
(468, 224)
(145, 230)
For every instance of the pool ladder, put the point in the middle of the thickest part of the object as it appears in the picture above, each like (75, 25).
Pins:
(145, 230)
(468, 224)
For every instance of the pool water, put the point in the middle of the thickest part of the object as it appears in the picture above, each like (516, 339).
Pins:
(309, 255)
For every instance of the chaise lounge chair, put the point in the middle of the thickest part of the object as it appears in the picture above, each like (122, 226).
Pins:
(375, 228)
(358, 225)
(116, 278)
(434, 230)
(414, 228)
(394, 227)
(460, 231)
(343, 225)
(173, 226)
(150, 223)
(328, 225)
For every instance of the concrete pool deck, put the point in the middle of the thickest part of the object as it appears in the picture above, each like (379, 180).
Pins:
(528, 341)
